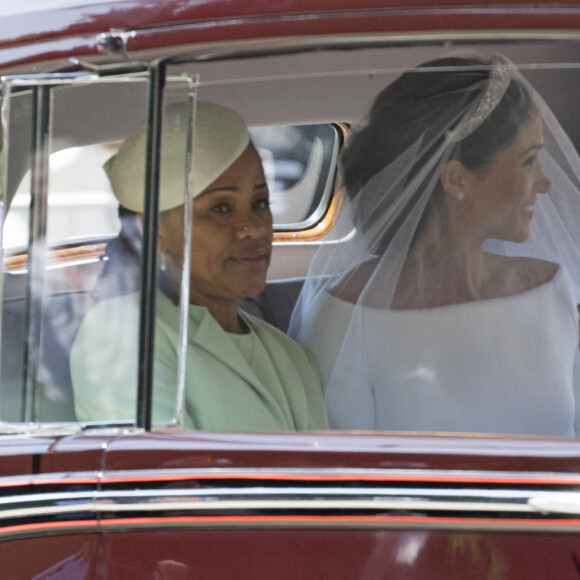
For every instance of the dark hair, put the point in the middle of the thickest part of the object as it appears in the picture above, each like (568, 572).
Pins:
(423, 102)
(122, 259)
(121, 271)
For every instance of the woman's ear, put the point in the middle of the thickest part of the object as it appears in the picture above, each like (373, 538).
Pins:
(453, 179)
(170, 231)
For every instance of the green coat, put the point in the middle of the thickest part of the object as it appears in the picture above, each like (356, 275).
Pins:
(263, 381)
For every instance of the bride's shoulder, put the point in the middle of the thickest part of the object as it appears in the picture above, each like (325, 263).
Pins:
(532, 272)
(351, 285)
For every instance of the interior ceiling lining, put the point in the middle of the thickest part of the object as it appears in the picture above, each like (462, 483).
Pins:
(320, 86)
(340, 85)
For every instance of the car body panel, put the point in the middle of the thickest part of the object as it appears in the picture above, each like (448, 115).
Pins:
(350, 506)
(339, 450)
(80, 29)
(73, 17)
(70, 556)
(34, 454)
(323, 553)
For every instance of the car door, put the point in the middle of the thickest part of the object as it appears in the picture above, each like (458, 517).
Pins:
(54, 240)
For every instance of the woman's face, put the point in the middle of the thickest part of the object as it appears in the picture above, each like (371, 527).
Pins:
(499, 199)
(231, 237)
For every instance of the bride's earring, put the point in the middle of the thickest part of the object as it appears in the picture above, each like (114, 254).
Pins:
(460, 196)
(163, 262)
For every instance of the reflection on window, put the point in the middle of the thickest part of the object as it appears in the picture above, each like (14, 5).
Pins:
(298, 162)
(81, 204)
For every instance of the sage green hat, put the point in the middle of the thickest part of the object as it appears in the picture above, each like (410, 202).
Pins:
(221, 136)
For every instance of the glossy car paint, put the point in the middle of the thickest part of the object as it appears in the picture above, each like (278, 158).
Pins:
(56, 31)
(122, 504)
(332, 553)
(71, 556)
(352, 506)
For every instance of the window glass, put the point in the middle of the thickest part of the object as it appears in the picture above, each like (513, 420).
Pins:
(177, 183)
(81, 204)
(447, 361)
(299, 163)
(72, 283)
(58, 253)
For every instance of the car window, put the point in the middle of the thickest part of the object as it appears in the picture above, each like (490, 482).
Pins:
(300, 164)
(60, 217)
(348, 348)
(68, 253)
(80, 201)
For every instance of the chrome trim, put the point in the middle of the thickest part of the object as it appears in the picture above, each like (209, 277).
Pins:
(8, 430)
(288, 499)
(226, 50)
(46, 504)
(187, 236)
(336, 523)
(562, 503)
(38, 216)
(261, 473)
(5, 103)
(363, 72)
(114, 42)
(324, 202)
(341, 475)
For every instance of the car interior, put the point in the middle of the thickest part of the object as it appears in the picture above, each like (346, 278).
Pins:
(300, 99)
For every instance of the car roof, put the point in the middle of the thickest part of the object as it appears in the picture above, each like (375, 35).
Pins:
(36, 20)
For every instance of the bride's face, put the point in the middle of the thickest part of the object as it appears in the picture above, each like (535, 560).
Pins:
(500, 198)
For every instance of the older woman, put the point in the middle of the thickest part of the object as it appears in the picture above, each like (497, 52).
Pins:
(241, 373)
(452, 308)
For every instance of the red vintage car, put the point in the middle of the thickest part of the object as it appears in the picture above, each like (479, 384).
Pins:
(136, 499)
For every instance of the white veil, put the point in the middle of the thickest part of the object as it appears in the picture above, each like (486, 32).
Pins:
(446, 310)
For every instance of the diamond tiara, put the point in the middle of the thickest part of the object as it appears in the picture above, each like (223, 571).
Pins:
(498, 83)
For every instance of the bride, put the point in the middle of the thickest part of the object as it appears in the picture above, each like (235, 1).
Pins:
(454, 306)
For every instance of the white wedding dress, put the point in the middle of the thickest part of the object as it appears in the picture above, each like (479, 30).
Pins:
(502, 365)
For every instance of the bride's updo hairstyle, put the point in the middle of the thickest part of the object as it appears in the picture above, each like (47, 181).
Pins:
(411, 119)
